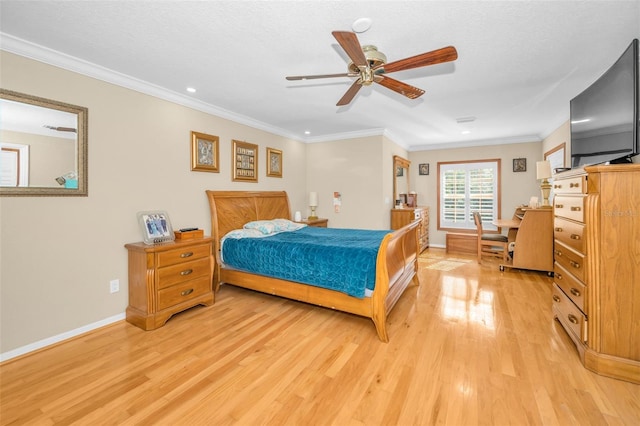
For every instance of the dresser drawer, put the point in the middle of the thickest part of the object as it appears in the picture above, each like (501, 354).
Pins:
(569, 207)
(171, 257)
(572, 261)
(569, 315)
(573, 288)
(574, 185)
(183, 292)
(570, 233)
(185, 271)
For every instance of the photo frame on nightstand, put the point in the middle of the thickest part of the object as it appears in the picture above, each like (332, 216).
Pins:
(155, 226)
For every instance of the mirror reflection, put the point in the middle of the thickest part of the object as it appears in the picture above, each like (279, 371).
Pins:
(400, 178)
(43, 145)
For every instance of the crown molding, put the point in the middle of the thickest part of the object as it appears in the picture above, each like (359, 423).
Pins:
(482, 142)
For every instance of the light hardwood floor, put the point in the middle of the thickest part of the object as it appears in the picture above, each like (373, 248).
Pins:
(471, 345)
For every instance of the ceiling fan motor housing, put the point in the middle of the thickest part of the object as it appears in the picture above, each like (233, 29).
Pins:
(374, 58)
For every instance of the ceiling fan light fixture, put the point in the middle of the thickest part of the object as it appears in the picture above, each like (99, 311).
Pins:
(361, 25)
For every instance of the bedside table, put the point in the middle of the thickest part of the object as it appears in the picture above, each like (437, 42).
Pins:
(318, 223)
(168, 278)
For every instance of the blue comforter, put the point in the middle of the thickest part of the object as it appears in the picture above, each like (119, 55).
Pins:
(337, 259)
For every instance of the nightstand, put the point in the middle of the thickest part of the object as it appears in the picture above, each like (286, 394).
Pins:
(168, 278)
(318, 223)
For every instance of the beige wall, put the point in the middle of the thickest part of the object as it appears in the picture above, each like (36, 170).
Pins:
(517, 188)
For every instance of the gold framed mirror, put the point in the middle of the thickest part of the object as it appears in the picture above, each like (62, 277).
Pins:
(44, 146)
(400, 177)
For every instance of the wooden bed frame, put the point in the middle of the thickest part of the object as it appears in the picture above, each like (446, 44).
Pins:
(396, 264)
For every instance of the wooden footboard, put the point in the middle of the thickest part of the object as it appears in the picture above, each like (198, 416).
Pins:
(396, 264)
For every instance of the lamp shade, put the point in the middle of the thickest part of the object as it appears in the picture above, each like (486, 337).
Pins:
(313, 199)
(543, 170)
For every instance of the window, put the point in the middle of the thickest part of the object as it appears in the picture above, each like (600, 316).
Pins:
(466, 187)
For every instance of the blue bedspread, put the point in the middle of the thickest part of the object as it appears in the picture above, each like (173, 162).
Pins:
(337, 259)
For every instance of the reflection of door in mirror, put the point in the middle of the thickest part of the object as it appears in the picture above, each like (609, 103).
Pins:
(43, 146)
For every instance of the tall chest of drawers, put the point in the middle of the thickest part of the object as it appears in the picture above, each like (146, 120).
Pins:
(596, 291)
(167, 278)
(403, 217)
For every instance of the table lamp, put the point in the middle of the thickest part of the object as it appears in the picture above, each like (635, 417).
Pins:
(313, 203)
(543, 172)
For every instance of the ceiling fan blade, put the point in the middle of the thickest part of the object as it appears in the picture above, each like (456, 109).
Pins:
(351, 93)
(446, 54)
(349, 42)
(404, 89)
(311, 77)
(61, 129)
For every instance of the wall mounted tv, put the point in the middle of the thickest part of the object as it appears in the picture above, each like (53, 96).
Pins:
(604, 118)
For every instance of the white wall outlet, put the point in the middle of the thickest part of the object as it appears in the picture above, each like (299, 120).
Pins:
(114, 286)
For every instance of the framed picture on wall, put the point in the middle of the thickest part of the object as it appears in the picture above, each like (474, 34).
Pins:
(204, 153)
(274, 162)
(423, 169)
(245, 162)
(519, 165)
(555, 156)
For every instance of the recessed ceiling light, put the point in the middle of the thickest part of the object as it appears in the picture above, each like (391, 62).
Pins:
(361, 25)
(191, 90)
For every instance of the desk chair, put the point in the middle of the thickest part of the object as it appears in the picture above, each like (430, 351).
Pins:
(492, 244)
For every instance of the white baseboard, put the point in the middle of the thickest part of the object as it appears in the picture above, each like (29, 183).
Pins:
(60, 337)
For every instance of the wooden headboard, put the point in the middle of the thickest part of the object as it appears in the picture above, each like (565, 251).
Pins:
(232, 209)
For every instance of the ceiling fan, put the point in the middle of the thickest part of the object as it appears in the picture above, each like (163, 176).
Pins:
(61, 129)
(370, 66)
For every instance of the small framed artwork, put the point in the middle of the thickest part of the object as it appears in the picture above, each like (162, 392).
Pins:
(274, 162)
(245, 162)
(519, 165)
(423, 169)
(155, 227)
(204, 152)
(399, 171)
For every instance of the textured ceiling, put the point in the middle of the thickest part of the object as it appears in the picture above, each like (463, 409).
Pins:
(519, 64)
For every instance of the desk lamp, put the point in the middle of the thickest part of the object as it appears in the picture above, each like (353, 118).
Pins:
(313, 203)
(543, 172)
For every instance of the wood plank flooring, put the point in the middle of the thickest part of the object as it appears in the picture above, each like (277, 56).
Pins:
(470, 346)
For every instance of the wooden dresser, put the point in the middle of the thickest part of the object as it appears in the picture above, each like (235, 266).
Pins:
(402, 217)
(167, 278)
(596, 292)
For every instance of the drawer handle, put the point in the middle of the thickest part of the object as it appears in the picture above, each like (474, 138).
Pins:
(186, 292)
(574, 185)
(572, 319)
(575, 292)
(557, 186)
(559, 206)
(558, 253)
(556, 298)
(576, 209)
(574, 264)
(187, 254)
(559, 277)
(186, 272)
(575, 237)
(558, 229)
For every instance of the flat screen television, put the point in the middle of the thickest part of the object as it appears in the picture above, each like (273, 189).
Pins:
(604, 118)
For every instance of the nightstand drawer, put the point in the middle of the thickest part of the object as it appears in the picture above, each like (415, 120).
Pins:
(174, 274)
(573, 288)
(184, 254)
(183, 292)
(570, 233)
(572, 261)
(569, 207)
(569, 315)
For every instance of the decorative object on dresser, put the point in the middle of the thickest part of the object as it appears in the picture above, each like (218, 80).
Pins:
(245, 162)
(318, 223)
(395, 268)
(274, 162)
(205, 156)
(402, 216)
(596, 297)
(168, 278)
(155, 227)
(313, 203)
(543, 173)
(531, 237)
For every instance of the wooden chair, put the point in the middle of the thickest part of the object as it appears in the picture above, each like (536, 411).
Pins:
(490, 244)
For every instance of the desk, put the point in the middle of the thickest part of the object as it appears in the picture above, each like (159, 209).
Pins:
(533, 238)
